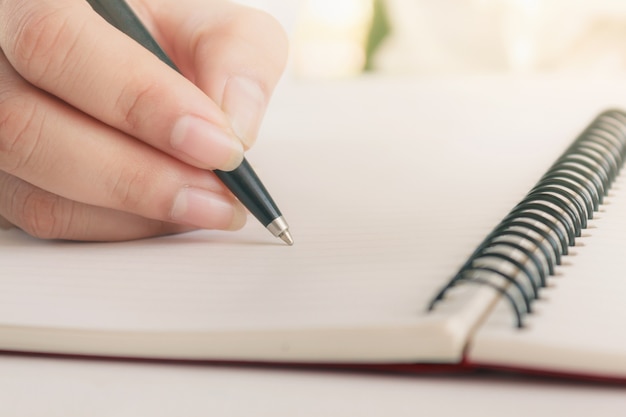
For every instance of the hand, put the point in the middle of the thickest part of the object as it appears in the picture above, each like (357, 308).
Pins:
(99, 140)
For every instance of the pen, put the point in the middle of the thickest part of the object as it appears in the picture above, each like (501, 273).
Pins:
(242, 181)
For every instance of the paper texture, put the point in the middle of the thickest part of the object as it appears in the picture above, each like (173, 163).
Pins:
(384, 207)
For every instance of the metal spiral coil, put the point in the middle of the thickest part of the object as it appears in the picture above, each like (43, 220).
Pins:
(516, 258)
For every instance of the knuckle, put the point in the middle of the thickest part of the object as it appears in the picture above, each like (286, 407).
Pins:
(21, 131)
(38, 213)
(135, 101)
(129, 190)
(41, 40)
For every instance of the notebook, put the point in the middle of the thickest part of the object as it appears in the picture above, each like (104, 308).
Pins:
(454, 246)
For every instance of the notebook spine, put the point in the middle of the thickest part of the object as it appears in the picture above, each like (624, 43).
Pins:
(518, 256)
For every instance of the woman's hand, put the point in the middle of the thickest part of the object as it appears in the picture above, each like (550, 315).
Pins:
(100, 140)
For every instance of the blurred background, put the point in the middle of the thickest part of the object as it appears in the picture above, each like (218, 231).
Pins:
(347, 38)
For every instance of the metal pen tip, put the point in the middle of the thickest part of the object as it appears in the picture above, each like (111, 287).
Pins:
(279, 228)
(286, 237)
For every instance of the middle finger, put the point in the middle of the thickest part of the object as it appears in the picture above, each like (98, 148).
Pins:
(61, 150)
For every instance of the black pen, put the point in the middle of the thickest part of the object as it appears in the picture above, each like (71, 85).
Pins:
(242, 181)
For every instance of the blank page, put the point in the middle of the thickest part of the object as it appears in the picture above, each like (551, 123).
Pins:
(386, 198)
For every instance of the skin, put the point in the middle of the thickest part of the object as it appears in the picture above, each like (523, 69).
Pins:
(99, 140)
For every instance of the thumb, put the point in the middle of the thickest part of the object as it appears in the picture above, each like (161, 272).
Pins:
(235, 54)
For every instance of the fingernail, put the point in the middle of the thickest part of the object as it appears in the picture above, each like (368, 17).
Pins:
(207, 210)
(244, 102)
(211, 146)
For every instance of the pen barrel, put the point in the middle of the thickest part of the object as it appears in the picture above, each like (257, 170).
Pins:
(242, 181)
(246, 186)
(119, 14)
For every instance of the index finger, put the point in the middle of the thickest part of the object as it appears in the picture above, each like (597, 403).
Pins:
(65, 48)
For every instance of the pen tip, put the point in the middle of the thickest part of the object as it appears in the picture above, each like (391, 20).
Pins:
(286, 237)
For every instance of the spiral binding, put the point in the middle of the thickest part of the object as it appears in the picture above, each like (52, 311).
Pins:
(516, 258)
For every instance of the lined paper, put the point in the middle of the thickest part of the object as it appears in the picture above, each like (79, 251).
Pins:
(384, 206)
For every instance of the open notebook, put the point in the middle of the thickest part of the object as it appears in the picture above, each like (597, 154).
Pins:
(384, 215)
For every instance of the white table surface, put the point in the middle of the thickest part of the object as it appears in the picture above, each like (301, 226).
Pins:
(48, 386)
(70, 387)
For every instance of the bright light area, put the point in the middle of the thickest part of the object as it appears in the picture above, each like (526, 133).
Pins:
(330, 38)
(433, 37)
(338, 13)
